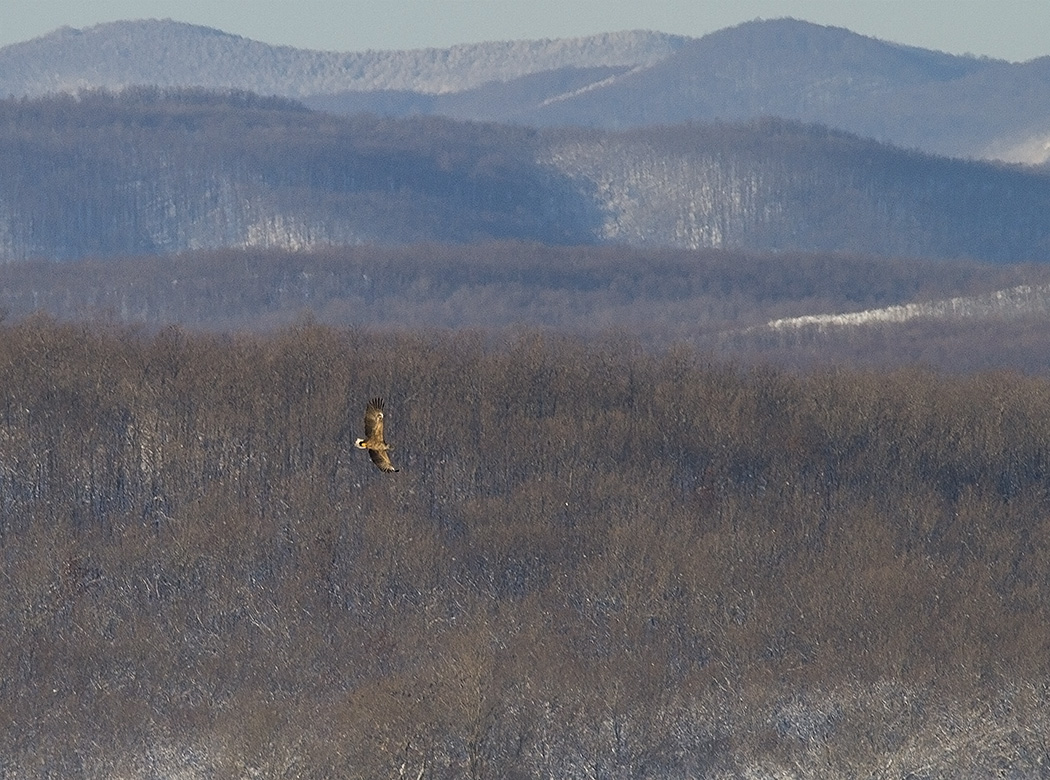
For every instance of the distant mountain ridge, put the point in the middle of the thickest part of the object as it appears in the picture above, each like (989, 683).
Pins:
(941, 103)
(166, 53)
(914, 98)
(909, 97)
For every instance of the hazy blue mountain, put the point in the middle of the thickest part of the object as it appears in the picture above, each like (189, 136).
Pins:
(910, 97)
(915, 98)
(152, 172)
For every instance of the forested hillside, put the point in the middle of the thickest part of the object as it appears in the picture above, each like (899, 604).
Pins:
(154, 172)
(717, 300)
(597, 560)
(148, 171)
(783, 186)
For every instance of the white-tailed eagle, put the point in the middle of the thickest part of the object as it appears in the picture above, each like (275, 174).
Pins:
(378, 449)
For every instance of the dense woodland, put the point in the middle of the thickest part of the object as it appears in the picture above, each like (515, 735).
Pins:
(147, 171)
(598, 560)
(715, 300)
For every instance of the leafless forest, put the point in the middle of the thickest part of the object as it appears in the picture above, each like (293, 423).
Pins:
(598, 561)
(714, 300)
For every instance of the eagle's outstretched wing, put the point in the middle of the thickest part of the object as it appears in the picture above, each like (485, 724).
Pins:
(374, 421)
(382, 460)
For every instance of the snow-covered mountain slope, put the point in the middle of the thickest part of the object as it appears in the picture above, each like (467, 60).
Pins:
(174, 54)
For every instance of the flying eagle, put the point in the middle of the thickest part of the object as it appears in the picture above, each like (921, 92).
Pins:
(378, 449)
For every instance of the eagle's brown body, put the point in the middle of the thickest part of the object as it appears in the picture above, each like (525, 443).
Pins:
(378, 449)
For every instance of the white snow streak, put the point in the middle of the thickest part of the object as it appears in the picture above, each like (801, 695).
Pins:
(1015, 301)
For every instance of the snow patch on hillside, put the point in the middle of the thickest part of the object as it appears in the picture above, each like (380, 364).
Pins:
(601, 83)
(1015, 301)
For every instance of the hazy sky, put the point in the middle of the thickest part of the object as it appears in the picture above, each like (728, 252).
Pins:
(1010, 29)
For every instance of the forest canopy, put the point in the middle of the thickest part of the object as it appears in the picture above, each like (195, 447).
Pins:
(597, 559)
